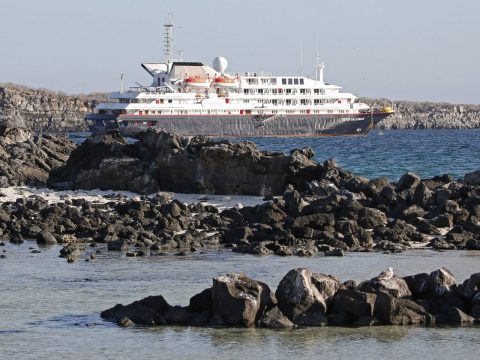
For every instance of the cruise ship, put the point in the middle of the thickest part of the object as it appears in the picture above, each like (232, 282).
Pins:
(191, 98)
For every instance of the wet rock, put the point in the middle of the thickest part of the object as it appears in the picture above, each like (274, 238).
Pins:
(274, 318)
(371, 218)
(334, 252)
(472, 178)
(440, 282)
(353, 304)
(299, 299)
(457, 316)
(387, 282)
(408, 181)
(46, 238)
(391, 310)
(117, 245)
(151, 310)
(239, 300)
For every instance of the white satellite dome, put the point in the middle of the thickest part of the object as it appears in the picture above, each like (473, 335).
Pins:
(220, 64)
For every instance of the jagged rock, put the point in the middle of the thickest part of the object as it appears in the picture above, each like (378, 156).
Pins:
(149, 311)
(46, 238)
(457, 316)
(391, 310)
(394, 285)
(299, 299)
(470, 288)
(239, 300)
(440, 282)
(408, 181)
(274, 318)
(353, 304)
(472, 178)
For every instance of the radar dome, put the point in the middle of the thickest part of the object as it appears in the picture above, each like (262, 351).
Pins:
(220, 64)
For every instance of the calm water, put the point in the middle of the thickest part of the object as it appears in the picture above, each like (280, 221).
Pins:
(50, 309)
(392, 153)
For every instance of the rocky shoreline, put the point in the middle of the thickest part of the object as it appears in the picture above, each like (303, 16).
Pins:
(308, 208)
(303, 298)
(40, 109)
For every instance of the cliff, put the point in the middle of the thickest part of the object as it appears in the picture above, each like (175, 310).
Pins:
(40, 109)
(53, 111)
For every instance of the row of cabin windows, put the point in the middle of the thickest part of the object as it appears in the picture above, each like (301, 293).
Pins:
(283, 91)
(229, 112)
(295, 102)
(292, 81)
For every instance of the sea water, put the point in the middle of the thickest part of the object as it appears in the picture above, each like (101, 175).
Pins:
(49, 309)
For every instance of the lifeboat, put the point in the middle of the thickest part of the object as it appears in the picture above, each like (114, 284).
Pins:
(224, 81)
(197, 82)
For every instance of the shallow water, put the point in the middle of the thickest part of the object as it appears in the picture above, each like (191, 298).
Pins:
(50, 309)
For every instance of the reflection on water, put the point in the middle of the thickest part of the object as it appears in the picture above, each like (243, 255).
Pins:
(56, 306)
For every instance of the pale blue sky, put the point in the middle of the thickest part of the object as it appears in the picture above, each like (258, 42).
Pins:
(402, 49)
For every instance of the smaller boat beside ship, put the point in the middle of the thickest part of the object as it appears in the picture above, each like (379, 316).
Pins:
(191, 98)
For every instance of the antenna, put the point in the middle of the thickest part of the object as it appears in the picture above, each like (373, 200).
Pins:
(168, 38)
(121, 83)
(301, 54)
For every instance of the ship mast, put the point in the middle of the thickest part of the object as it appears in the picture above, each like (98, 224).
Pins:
(319, 67)
(168, 40)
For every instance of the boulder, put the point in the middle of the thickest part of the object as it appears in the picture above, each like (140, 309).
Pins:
(45, 237)
(472, 178)
(457, 316)
(299, 299)
(391, 310)
(274, 318)
(353, 304)
(440, 282)
(470, 287)
(394, 285)
(408, 181)
(370, 218)
(239, 300)
(418, 285)
(151, 310)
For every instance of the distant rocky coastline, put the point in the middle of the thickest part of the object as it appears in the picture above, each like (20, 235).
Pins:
(304, 298)
(308, 208)
(46, 110)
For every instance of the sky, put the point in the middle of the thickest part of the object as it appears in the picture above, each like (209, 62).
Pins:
(423, 50)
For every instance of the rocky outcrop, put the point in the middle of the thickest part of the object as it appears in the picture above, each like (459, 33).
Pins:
(429, 115)
(160, 160)
(300, 300)
(27, 158)
(40, 109)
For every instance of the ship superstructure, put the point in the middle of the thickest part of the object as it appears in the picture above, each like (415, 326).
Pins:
(191, 98)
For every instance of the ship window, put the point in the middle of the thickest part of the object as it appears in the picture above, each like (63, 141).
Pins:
(330, 111)
(273, 81)
(288, 102)
(316, 102)
(288, 91)
(284, 81)
(274, 101)
(169, 101)
(322, 91)
(295, 81)
(301, 82)
(260, 91)
(303, 91)
(290, 81)
(303, 102)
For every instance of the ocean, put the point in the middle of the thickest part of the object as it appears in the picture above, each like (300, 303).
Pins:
(50, 309)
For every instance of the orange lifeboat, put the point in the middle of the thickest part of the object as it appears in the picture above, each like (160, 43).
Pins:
(224, 81)
(197, 81)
